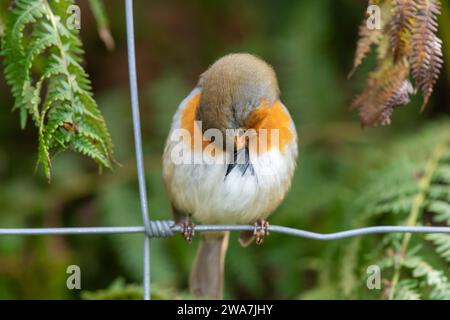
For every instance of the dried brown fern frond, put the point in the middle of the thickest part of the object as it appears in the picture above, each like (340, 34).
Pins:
(387, 87)
(406, 44)
(367, 38)
(426, 58)
(401, 27)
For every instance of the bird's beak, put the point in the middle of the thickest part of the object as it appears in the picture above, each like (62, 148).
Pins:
(240, 141)
(242, 138)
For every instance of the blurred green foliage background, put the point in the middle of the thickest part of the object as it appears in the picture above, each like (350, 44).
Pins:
(309, 43)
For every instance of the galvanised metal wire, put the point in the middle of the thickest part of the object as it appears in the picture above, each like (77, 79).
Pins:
(138, 143)
(167, 228)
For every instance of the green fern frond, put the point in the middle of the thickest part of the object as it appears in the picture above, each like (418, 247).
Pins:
(429, 277)
(410, 189)
(407, 290)
(59, 100)
(442, 243)
(441, 210)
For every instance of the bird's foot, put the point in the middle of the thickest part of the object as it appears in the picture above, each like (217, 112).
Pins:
(187, 229)
(261, 230)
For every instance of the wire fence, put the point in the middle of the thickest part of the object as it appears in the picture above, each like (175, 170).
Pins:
(167, 228)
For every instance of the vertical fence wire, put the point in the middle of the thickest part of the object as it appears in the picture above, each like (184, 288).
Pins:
(138, 144)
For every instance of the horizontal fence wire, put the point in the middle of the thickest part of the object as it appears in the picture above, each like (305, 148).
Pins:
(168, 228)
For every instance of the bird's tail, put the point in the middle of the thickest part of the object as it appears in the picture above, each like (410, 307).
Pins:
(207, 277)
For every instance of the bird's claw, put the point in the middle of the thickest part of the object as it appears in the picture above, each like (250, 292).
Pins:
(261, 230)
(187, 230)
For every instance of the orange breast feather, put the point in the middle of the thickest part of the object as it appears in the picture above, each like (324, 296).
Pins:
(271, 118)
(188, 121)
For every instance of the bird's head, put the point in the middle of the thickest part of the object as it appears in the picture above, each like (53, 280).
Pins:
(232, 88)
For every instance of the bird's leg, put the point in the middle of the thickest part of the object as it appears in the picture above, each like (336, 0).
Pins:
(185, 223)
(187, 229)
(261, 230)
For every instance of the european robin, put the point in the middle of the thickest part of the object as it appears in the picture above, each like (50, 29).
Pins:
(229, 159)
